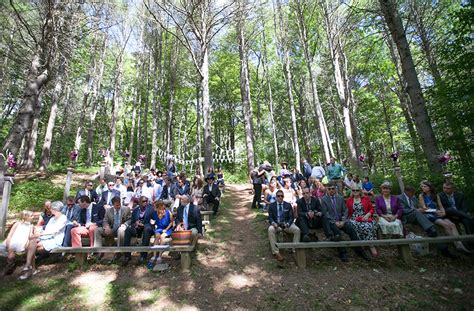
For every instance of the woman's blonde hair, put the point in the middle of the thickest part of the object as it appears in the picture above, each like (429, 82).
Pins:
(25, 214)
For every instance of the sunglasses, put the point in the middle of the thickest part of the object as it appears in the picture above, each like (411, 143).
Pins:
(331, 188)
(356, 190)
(280, 196)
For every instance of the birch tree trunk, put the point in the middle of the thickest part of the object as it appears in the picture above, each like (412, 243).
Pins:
(283, 44)
(157, 89)
(48, 137)
(342, 81)
(95, 98)
(270, 93)
(173, 70)
(323, 130)
(117, 98)
(245, 86)
(422, 120)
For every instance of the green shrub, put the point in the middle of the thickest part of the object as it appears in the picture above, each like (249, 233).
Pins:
(31, 195)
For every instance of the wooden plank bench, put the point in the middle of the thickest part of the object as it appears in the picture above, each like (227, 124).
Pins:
(402, 244)
(81, 252)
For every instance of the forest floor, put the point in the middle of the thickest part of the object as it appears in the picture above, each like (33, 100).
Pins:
(233, 270)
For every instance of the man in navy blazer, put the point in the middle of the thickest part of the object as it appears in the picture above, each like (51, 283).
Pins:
(88, 191)
(211, 193)
(139, 225)
(108, 195)
(456, 207)
(72, 211)
(280, 217)
(310, 215)
(91, 217)
(188, 217)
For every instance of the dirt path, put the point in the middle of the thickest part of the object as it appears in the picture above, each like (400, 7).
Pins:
(233, 270)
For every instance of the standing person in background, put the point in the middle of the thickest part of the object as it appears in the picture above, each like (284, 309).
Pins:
(318, 172)
(307, 169)
(335, 174)
(257, 181)
(102, 187)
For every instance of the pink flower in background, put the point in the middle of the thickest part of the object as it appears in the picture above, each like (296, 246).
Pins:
(362, 158)
(445, 158)
(11, 160)
(142, 157)
(73, 155)
(394, 156)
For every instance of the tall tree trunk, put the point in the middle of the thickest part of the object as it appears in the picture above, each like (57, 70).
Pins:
(245, 86)
(403, 97)
(117, 98)
(270, 93)
(422, 120)
(342, 84)
(283, 28)
(206, 109)
(134, 113)
(36, 80)
(145, 113)
(157, 89)
(173, 71)
(95, 98)
(198, 127)
(30, 151)
(323, 130)
(48, 137)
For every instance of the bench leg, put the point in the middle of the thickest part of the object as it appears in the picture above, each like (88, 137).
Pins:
(81, 259)
(185, 261)
(301, 258)
(405, 253)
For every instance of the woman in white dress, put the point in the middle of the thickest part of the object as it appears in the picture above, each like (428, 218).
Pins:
(50, 238)
(17, 239)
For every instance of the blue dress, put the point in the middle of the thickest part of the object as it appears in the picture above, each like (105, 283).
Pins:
(162, 223)
(431, 204)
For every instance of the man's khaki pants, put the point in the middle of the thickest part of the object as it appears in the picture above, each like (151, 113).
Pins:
(272, 231)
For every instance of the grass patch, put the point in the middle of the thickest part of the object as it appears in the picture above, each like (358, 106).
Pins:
(31, 195)
(32, 295)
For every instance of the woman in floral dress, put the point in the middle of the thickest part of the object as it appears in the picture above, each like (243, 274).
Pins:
(360, 211)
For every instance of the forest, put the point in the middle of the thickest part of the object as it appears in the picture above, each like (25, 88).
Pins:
(375, 84)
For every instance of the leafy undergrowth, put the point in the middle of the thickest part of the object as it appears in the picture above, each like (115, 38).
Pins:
(31, 195)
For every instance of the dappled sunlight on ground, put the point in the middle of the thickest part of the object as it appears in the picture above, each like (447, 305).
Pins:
(236, 281)
(95, 286)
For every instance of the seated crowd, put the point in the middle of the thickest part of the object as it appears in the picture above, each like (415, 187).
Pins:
(323, 199)
(133, 205)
